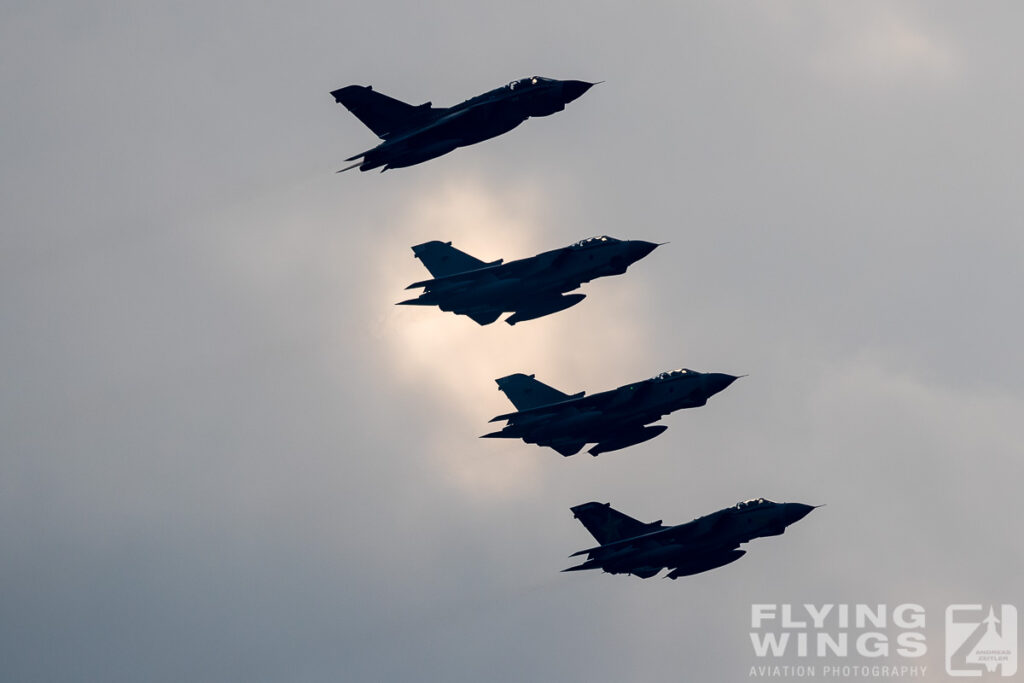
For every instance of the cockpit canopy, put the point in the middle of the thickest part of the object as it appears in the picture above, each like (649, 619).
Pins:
(527, 82)
(594, 241)
(676, 373)
(752, 503)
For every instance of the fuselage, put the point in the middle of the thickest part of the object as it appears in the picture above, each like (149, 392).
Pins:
(701, 545)
(601, 415)
(518, 284)
(440, 131)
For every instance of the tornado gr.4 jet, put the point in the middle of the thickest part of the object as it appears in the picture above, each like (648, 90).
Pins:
(528, 288)
(414, 134)
(629, 546)
(612, 419)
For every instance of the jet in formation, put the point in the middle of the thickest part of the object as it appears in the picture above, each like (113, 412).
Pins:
(414, 134)
(611, 419)
(528, 288)
(629, 546)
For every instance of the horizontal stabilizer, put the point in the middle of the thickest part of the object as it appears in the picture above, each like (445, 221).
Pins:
(589, 564)
(359, 156)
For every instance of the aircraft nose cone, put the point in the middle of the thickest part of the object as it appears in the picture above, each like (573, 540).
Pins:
(719, 381)
(572, 90)
(641, 248)
(794, 512)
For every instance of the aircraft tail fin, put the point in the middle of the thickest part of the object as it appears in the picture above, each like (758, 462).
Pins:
(607, 524)
(442, 259)
(384, 115)
(525, 392)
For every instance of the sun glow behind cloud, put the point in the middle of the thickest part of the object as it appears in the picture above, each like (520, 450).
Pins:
(446, 362)
(458, 360)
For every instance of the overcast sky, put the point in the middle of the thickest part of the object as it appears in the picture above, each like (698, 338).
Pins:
(226, 456)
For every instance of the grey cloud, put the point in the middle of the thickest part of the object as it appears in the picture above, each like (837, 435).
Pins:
(224, 458)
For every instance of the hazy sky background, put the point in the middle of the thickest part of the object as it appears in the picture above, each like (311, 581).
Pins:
(226, 456)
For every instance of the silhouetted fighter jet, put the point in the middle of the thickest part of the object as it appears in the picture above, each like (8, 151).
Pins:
(628, 546)
(414, 134)
(613, 419)
(529, 288)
